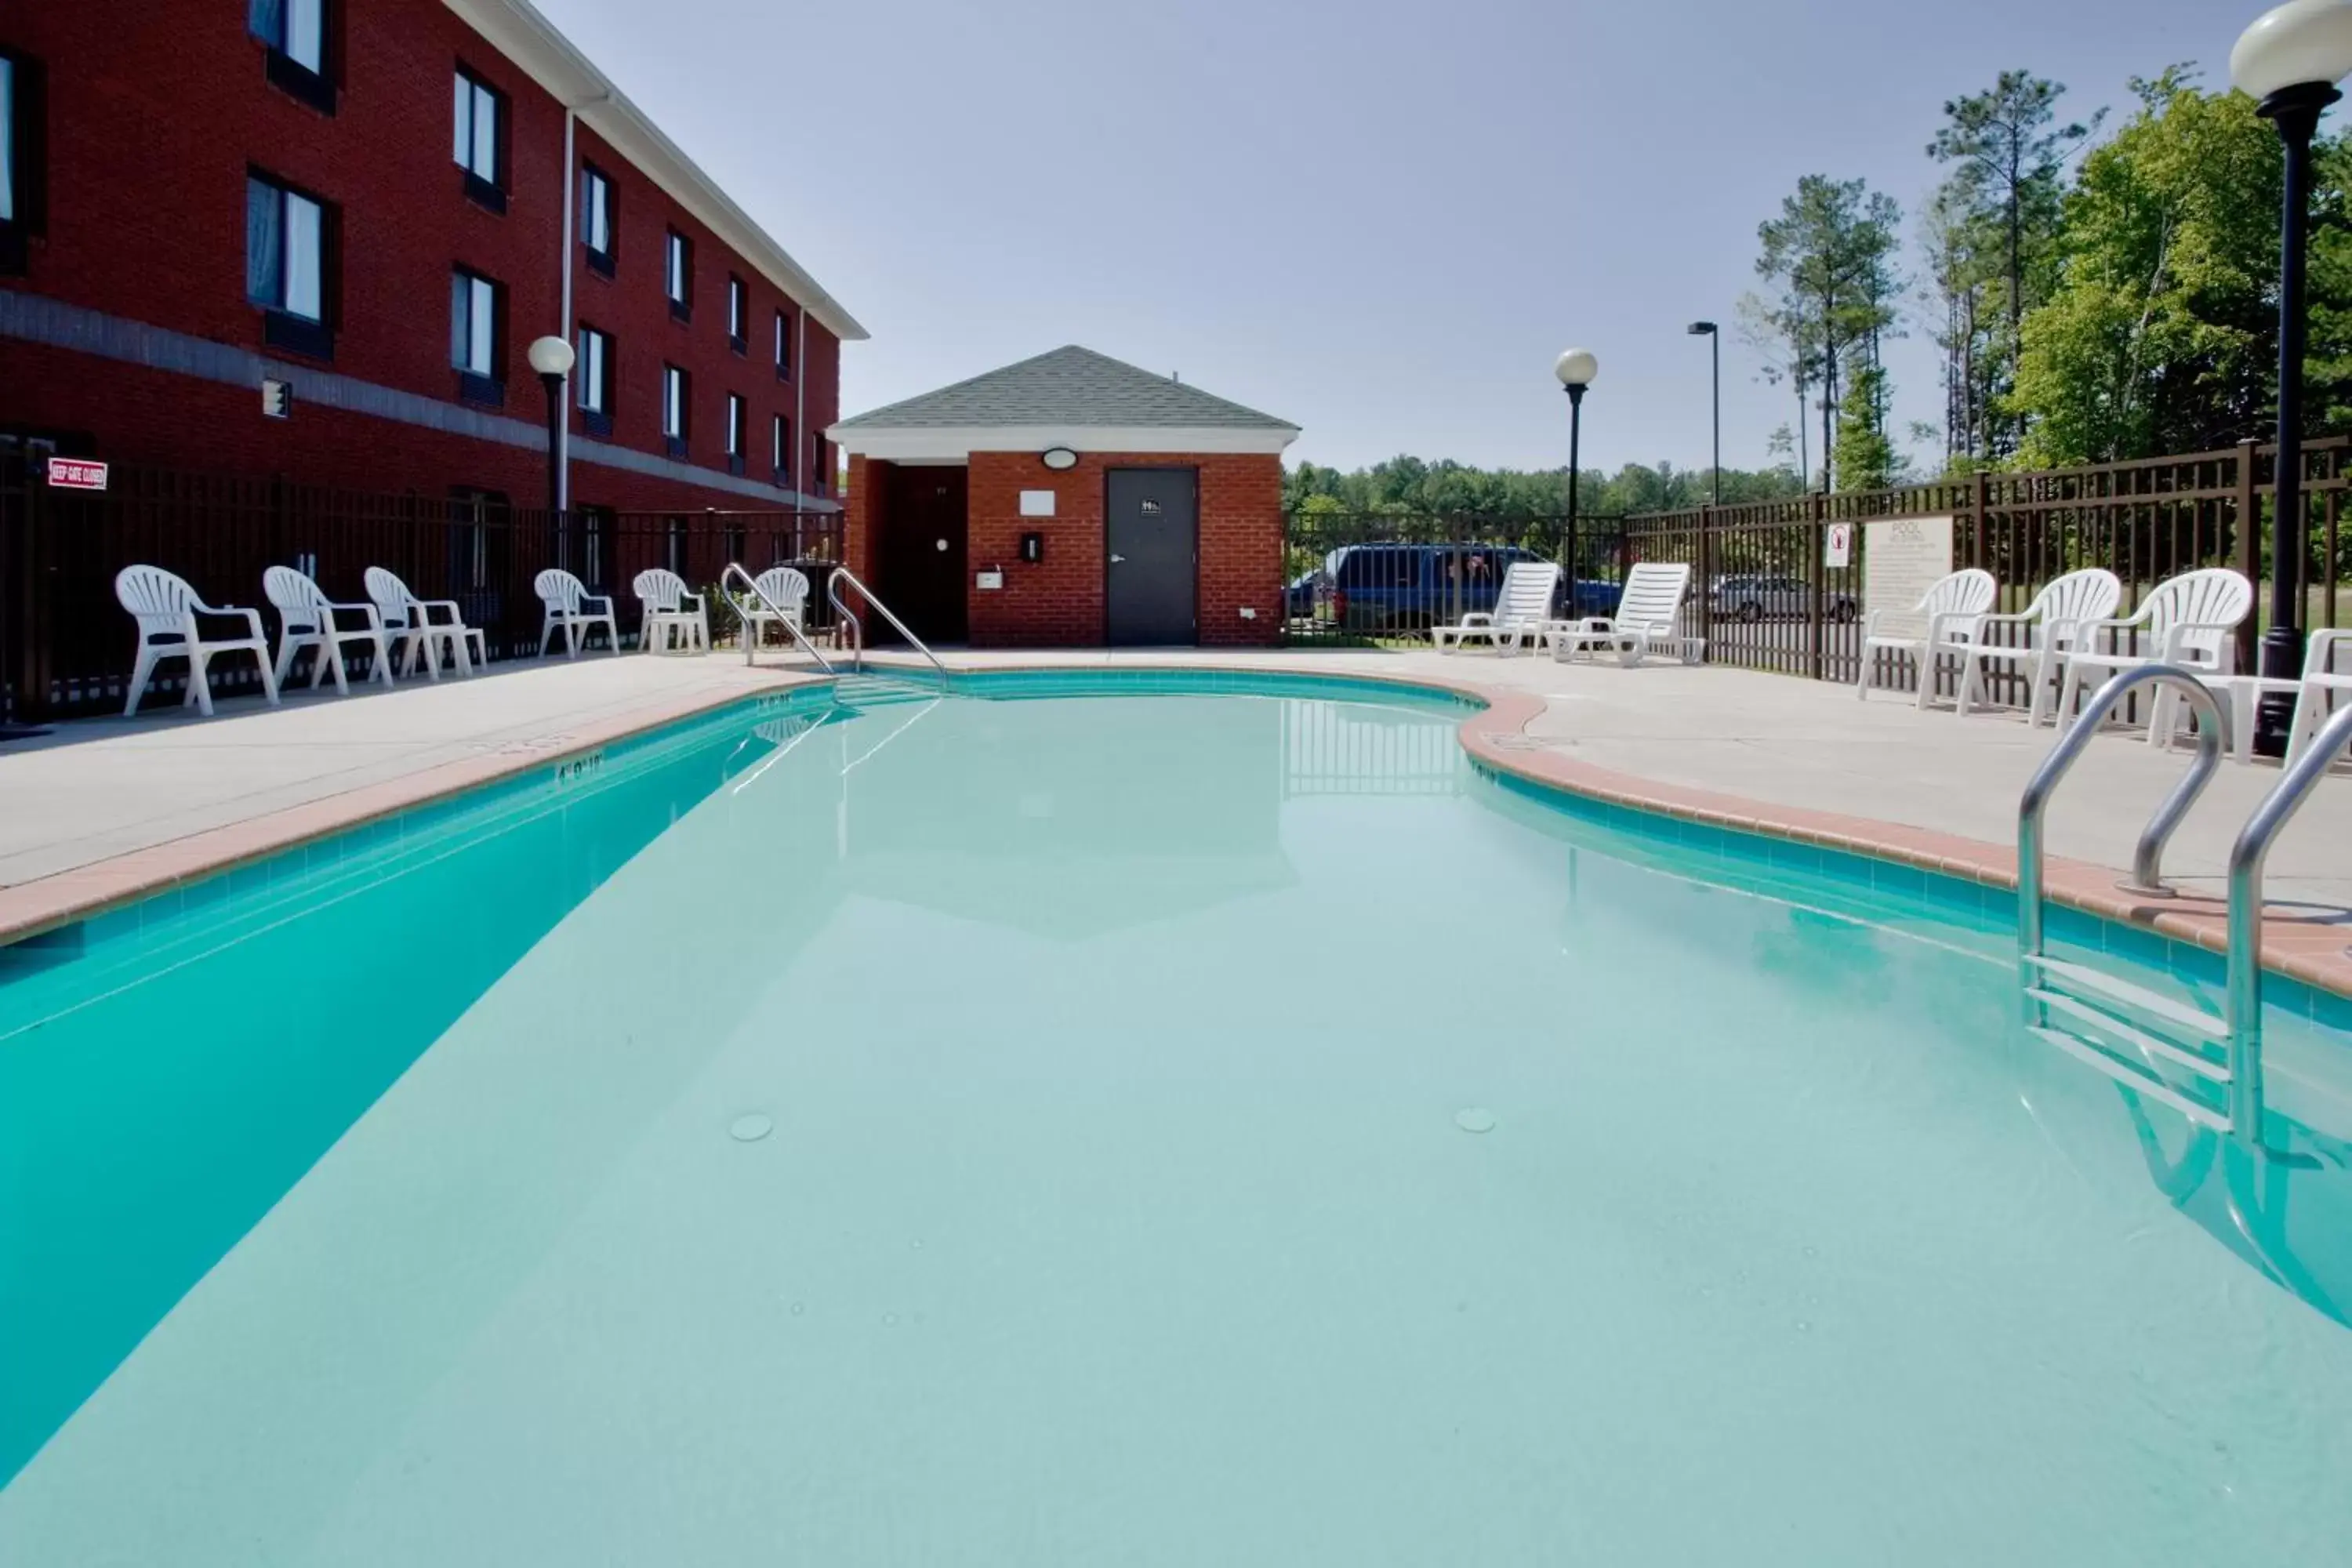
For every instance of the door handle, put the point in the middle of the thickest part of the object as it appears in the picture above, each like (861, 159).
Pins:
(1117, 559)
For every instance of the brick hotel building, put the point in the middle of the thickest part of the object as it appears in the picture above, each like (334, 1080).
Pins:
(315, 238)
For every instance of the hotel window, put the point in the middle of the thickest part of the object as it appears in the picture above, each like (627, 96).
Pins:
(674, 395)
(296, 32)
(290, 266)
(780, 449)
(480, 111)
(735, 416)
(596, 219)
(783, 347)
(474, 337)
(738, 307)
(678, 274)
(594, 371)
(21, 128)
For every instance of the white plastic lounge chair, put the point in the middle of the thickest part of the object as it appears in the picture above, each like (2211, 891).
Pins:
(425, 626)
(1645, 618)
(306, 618)
(1954, 606)
(570, 606)
(1521, 607)
(2054, 627)
(787, 588)
(671, 611)
(2321, 684)
(170, 621)
(2191, 620)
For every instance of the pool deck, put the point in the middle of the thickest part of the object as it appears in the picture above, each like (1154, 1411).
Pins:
(106, 808)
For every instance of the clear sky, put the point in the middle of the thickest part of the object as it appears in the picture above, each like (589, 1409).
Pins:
(1378, 220)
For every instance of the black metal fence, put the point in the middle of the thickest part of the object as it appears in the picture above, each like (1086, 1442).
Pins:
(1779, 585)
(65, 646)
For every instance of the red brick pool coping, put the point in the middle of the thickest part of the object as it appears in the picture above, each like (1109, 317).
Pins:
(2309, 947)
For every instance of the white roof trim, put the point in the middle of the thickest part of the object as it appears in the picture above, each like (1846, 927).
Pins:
(517, 30)
(955, 443)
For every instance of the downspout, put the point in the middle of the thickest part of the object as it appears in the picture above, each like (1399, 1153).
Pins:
(800, 417)
(570, 224)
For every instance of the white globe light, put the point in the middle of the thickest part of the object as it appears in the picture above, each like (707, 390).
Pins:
(2301, 41)
(550, 356)
(1577, 367)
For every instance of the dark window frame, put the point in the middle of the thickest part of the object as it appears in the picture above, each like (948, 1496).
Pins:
(29, 160)
(489, 193)
(738, 432)
(605, 262)
(675, 442)
(779, 449)
(783, 344)
(739, 315)
(598, 421)
(677, 270)
(473, 387)
(319, 88)
(280, 327)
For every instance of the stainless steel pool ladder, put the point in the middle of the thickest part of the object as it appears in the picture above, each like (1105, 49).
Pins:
(2237, 1074)
(841, 574)
(2101, 1019)
(735, 573)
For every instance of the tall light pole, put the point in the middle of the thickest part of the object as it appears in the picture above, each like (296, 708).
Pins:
(552, 358)
(1715, 356)
(2289, 62)
(1576, 368)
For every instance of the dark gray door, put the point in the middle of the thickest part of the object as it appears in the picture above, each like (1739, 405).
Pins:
(1151, 573)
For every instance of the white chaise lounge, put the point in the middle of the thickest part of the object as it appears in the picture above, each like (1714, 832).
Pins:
(2190, 620)
(428, 627)
(673, 617)
(1647, 617)
(2054, 627)
(571, 608)
(1521, 608)
(1953, 605)
(170, 625)
(306, 618)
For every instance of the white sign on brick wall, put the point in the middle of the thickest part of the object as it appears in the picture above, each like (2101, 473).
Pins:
(1037, 503)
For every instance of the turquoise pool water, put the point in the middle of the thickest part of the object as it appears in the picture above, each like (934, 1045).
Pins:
(1040, 1131)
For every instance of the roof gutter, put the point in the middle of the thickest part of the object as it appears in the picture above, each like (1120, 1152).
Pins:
(517, 30)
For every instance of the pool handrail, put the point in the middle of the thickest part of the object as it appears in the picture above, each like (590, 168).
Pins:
(791, 622)
(858, 627)
(2246, 857)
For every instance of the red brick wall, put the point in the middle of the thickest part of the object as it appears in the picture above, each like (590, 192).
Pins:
(157, 110)
(1058, 603)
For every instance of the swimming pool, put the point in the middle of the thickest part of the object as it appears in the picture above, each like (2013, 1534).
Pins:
(1050, 1131)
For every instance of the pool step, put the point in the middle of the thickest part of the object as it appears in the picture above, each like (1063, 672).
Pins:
(881, 691)
(2152, 1044)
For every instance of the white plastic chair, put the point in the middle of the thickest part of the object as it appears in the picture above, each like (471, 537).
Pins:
(425, 626)
(567, 600)
(2192, 621)
(2321, 681)
(1645, 618)
(2054, 627)
(1521, 607)
(168, 612)
(1955, 606)
(787, 588)
(306, 618)
(670, 609)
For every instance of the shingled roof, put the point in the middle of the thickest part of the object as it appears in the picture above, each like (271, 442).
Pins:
(1069, 387)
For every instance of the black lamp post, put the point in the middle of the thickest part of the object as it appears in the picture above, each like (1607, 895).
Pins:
(2289, 62)
(552, 358)
(1715, 355)
(1576, 368)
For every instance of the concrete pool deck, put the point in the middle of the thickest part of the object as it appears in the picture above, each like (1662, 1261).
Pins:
(106, 808)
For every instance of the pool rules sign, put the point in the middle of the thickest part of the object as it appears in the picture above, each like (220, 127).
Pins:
(1901, 558)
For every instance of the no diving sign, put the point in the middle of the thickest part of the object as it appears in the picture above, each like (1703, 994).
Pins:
(76, 474)
(1837, 545)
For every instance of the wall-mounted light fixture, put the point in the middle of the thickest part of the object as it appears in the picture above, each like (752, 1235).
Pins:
(1059, 459)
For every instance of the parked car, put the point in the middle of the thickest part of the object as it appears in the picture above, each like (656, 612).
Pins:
(1398, 587)
(1761, 596)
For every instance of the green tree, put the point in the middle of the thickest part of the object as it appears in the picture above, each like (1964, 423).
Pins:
(1832, 253)
(1866, 458)
(2161, 333)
